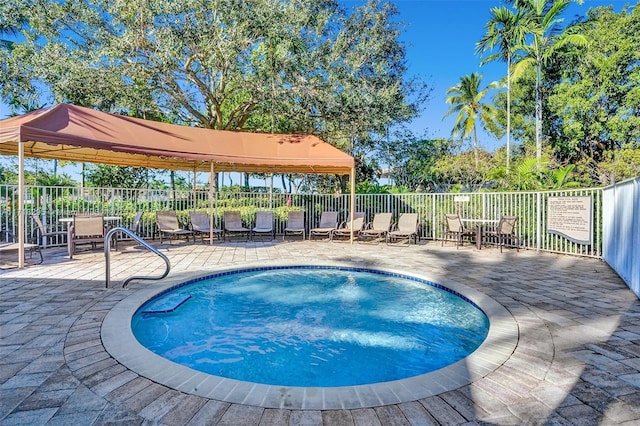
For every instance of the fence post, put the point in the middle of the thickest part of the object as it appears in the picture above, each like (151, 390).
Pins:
(538, 219)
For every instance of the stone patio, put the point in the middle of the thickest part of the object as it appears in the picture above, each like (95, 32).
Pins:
(577, 360)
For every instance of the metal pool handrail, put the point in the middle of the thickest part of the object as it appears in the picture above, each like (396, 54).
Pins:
(107, 250)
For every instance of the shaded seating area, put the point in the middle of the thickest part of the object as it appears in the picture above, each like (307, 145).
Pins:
(455, 229)
(43, 236)
(62, 132)
(295, 225)
(86, 230)
(344, 229)
(264, 225)
(328, 223)
(405, 230)
(233, 225)
(504, 234)
(200, 225)
(169, 226)
(376, 230)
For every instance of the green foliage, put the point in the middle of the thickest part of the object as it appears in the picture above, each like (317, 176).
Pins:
(264, 65)
(595, 96)
(466, 100)
(101, 175)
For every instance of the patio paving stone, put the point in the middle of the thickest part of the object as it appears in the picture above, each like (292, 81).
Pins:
(577, 361)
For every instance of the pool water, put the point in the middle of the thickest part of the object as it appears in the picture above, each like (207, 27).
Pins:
(313, 327)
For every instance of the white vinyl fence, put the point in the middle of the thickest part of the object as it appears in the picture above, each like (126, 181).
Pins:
(621, 230)
(54, 203)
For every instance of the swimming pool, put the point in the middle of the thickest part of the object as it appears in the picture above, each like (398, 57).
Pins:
(311, 326)
(120, 342)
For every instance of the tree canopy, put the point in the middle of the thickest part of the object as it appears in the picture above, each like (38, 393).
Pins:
(313, 66)
(262, 65)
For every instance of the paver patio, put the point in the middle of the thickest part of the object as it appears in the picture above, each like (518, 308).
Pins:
(577, 359)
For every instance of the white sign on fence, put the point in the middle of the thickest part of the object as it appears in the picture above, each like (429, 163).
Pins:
(571, 217)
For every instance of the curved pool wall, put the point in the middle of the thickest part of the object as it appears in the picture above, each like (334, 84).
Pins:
(119, 341)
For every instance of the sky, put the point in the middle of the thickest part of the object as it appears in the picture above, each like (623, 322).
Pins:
(440, 36)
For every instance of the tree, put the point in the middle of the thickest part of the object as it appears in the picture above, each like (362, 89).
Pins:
(505, 29)
(411, 159)
(594, 102)
(465, 99)
(546, 37)
(118, 177)
(290, 66)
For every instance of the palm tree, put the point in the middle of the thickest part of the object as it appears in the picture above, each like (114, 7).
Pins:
(465, 99)
(506, 29)
(546, 38)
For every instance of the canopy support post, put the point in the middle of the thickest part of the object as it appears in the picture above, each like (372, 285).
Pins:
(21, 190)
(195, 187)
(352, 202)
(211, 212)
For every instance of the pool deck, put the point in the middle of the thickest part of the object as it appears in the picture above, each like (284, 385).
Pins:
(577, 359)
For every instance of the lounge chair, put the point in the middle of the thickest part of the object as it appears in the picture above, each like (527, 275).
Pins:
(344, 229)
(41, 233)
(295, 224)
(86, 230)
(328, 222)
(8, 244)
(169, 226)
(505, 232)
(264, 224)
(233, 225)
(456, 229)
(405, 230)
(200, 226)
(376, 230)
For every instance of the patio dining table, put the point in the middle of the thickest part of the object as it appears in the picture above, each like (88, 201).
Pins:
(112, 219)
(479, 224)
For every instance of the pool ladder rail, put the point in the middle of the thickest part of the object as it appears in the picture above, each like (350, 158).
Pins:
(107, 250)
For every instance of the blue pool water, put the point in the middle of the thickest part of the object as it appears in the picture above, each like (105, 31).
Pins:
(314, 327)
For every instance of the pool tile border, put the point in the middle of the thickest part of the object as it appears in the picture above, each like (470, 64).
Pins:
(121, 344)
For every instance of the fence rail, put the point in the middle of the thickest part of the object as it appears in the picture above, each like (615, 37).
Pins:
(54, 203)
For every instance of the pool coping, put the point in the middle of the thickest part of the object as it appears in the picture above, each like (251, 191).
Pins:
(121, 344)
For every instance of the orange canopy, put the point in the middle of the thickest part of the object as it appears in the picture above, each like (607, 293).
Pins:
(75, 133)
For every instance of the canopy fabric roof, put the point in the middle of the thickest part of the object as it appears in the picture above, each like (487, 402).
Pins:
(75, 133)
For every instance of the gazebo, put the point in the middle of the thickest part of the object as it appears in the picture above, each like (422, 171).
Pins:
(70, 132)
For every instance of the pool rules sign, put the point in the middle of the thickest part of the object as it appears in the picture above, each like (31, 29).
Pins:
(571, 217)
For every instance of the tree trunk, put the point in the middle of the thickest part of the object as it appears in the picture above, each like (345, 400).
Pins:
(508, 110)
(538, 117)
(475, 147)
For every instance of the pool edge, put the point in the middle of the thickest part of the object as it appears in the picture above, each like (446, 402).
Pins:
(121, 344)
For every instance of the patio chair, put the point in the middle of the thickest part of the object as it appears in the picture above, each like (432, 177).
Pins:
(86, 229)
(376, 230)
(405, 230)
(344, 229)
(8, 244)
(504, 233)
(168, 226)
(40, 232)
(135, 225)
(295, 224)
(233, 225)
(328, 222)
(264, 225)
(200, 226)
(456, 229)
